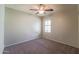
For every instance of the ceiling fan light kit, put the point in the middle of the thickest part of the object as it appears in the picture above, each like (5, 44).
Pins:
(42, 9)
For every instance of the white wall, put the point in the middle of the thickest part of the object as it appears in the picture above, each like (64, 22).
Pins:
(20, 27)
(1, 28)
(64, 25)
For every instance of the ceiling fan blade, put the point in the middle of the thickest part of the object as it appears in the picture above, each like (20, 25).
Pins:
(37, 13)
(49, 10)
(34, 9)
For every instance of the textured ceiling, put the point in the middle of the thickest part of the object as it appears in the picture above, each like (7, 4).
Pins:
(56, 7)
(26, 7)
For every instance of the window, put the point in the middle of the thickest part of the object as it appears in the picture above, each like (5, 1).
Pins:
(47, 26)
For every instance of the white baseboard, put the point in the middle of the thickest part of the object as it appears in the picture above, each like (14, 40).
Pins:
(19, 42)
(63, 43)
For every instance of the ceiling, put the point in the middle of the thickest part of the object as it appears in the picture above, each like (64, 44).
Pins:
(56, 7)
(26, 7)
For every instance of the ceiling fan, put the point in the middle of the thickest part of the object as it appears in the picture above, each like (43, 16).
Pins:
(42, 9)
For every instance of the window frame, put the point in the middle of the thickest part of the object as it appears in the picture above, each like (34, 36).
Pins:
(48, 26)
